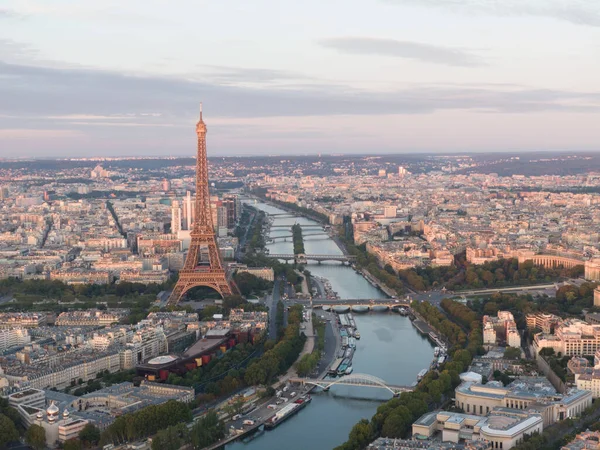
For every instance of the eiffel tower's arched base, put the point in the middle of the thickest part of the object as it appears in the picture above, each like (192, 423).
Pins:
(215, 279)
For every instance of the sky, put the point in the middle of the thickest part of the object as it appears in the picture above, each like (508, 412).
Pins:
(125, 78)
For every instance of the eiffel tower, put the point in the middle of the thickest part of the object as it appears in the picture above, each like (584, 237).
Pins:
(203, 241)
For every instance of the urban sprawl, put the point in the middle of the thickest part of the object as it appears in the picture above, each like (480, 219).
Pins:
(500, 271)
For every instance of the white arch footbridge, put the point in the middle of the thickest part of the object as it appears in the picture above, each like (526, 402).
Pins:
(355, 379)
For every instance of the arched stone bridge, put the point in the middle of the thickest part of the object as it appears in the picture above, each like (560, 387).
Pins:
(302, 257)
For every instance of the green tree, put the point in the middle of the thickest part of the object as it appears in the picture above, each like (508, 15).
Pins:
(89, 435)
(35, 436)
(171, 438)
(8, 431)
(73, 444)
(207, 430)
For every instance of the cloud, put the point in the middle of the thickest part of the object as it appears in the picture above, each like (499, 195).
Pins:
(34, 96)
(6, 13)
(12, 50)
(236, 75)
(403, 49)
(580, 12)
(28, 133)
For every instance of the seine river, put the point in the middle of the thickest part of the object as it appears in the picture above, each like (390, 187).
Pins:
(390, 348)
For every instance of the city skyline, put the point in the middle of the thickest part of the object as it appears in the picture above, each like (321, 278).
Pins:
(394, 76)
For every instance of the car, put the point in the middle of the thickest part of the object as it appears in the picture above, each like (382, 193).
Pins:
(280, 401)
(293, 394)
(271, 406)
(236, 417)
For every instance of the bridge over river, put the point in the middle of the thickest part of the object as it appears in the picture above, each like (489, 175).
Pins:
(285, 237)
(356, 379)
(301, 257)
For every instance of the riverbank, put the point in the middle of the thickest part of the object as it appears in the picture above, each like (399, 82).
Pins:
(380, 284)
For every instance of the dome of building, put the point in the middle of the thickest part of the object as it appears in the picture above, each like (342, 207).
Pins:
(52, 412)
(66, 413)
(39, 415)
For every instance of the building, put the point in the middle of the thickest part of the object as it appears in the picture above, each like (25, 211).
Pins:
(28, 397)
(533, 394)
(63, 416)
(389, 211)
(22, 319)
(572, 337)
(99, 172)
(502, 328)
(586, 376)
(11, 337)
(145, 276)
(592, 271)
(425, 444)
(92, 318)
(503, 428)
(58, 427)
(266, 273)
(489, 333)
(543, 321)
(81, 276)
(175, 217)
(597, 296)
(588, 440)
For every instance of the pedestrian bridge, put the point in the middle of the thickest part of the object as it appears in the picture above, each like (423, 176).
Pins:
(355, 379)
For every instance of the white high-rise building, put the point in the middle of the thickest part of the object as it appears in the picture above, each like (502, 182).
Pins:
(10, 337)
(189, 211)
(175, 217)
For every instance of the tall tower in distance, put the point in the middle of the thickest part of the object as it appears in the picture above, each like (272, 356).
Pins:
(208, 272)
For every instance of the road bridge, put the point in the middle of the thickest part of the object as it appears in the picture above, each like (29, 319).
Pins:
(289, 227)
(290, 236)
(360, 302)
(356, 379)
(284, 214)
(302, 258)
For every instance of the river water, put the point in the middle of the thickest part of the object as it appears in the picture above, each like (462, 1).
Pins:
(390, 348)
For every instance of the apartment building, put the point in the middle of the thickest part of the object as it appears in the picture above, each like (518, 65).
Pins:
(544, 321)
(572, 337)
(502, 328)
(10, 337)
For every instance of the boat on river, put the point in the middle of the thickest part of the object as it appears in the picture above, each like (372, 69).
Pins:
(287, 411)
(343, 366)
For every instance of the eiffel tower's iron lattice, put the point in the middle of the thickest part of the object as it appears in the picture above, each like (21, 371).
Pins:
(203, 241)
